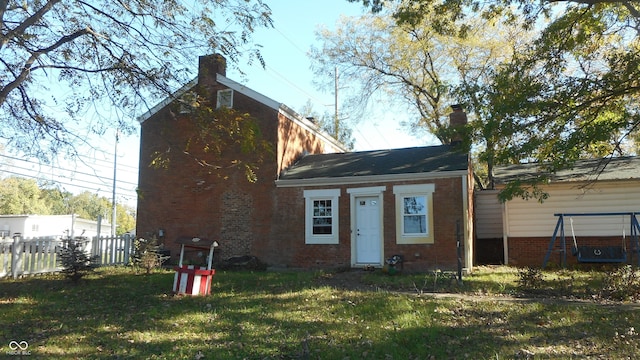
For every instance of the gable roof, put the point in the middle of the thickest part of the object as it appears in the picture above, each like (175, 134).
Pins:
(618, 168)
(379, 165)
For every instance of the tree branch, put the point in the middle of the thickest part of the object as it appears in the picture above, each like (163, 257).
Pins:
(26, 69)
(30, 21)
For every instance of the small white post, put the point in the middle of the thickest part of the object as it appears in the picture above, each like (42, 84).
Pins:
(16, 256)
(181, 255)
(213, 245)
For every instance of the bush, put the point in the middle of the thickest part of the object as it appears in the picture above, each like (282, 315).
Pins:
(147, 254)
(530, 280)
(74, 259)
(622, 284)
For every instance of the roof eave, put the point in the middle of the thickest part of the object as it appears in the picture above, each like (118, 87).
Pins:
(367, 179)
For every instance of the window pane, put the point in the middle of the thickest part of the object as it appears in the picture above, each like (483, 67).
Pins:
(415, 224)
(322, 225)
(414, 205)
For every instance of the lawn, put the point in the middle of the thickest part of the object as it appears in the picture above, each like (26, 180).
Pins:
(116, 313)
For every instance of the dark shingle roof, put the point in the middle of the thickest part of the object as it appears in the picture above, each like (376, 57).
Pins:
(620, 168)
(429, 159)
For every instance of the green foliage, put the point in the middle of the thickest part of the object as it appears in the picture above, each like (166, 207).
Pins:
(622, 284)
(74, 259)
(21, 196)
(568, 93)
(212, 135)
(147, 255)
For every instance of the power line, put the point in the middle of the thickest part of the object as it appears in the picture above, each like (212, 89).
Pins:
(54, 167)
(98, 190)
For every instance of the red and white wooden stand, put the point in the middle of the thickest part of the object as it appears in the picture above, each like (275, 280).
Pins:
(190, 279)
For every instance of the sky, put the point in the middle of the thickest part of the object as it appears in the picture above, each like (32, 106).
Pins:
(287, 79)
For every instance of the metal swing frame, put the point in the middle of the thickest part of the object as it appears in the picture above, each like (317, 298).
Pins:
(559, 233)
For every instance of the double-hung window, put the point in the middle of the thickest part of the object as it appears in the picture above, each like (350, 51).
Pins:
(414, 213)
(321, 216)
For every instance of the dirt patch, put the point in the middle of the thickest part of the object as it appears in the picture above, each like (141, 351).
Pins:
(346, 280)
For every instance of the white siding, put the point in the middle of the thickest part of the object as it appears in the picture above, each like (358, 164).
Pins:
(534, 219)
(488, 215)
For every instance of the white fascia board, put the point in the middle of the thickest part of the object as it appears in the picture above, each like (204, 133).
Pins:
(367, 179)
(168, 100)
(236, 86)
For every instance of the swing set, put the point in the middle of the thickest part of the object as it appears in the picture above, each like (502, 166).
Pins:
(595, 254)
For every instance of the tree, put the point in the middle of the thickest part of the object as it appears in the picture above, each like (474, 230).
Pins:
(572, 93)
(327, 123)
(63, 63)
(90, 206)
(24, 196)
(415, 64)
(21, 197)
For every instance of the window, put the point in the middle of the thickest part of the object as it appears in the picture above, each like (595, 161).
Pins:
(225, 98)
(321, 216)
(414, 213)
(35, 227)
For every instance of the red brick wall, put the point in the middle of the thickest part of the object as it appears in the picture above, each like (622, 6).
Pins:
(189, 199)
(293, 140)
(530, 252)
(289, 233)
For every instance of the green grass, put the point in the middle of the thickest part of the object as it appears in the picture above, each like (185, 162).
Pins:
(118, 314)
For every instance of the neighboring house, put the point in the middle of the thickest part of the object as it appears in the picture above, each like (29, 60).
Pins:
(525, 227)
(313, 206)
(34, 226)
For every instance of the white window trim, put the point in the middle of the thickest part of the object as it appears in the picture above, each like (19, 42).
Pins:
(219, 98)
(402, 191)
(324, 194)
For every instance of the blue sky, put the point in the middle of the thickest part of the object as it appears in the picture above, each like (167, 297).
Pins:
(288, 78)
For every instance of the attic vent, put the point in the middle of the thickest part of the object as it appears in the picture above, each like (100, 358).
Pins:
(225, 98)
(188, 101)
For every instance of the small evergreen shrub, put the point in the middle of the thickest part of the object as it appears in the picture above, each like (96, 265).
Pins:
(74, 259)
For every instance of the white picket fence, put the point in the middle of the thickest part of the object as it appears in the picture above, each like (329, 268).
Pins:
(19, 256)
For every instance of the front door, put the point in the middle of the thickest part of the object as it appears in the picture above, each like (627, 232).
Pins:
(368, 240)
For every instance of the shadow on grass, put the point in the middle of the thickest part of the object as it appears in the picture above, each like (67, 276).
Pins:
(287, 316)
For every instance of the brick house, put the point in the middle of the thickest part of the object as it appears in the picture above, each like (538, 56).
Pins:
(523, 229)
(314, 205)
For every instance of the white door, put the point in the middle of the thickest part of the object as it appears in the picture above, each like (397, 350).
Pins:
(368, 241)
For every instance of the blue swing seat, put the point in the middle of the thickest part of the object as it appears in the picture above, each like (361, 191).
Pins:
(600, 254)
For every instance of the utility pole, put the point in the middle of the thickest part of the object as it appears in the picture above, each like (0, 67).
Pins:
(336, 122)
(113, 197)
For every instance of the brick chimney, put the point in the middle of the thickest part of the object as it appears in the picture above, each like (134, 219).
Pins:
(208, 67)
(457, 120)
